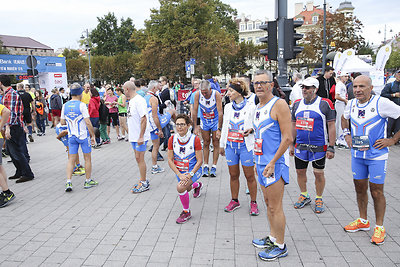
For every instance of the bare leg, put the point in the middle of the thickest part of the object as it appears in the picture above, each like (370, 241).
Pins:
(154, 152)
(3, 179)
(88, 164)
(234, 172)
(206, 145)
(142, 164)
(71, 164)
(216, 148)
(302, 179)
(379, 201)
(362, 196)
(319, 181)
(251, 181)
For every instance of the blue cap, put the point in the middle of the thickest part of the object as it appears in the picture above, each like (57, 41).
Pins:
(76, 91)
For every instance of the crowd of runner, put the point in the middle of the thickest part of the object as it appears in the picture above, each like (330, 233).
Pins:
(250, 125)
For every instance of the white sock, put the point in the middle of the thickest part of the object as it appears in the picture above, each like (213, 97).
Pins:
(281, 246)
(205, 165)
(363, 220)
(68, 180)
(155, 166)
(380, 226)
(273, 239)
(88, 180)
(214, 166)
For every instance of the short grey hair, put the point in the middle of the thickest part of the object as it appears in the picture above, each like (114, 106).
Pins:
(152, 84)
(204, 84)
(129, 85)
(298, 76)
(75, 86)
(266, 72)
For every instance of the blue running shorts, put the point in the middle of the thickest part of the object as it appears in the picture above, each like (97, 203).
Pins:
(74, 143)
(281, 170)
(375, 169)
(209, 126)
(233, 155)
(164, 120)
(196, 176)
(140, 148)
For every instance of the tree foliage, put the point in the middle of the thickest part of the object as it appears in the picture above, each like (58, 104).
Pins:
(3, 50)
(184, 29)
(77, 68)
(238, 61)
(70, 53)
(344, 30)
(394, 59)
(109, 38)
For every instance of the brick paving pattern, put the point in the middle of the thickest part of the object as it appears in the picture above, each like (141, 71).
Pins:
(109, 226)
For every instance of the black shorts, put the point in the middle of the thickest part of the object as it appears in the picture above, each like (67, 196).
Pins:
(123, 114)
(114, 118)
(317, 164)
(27, 117)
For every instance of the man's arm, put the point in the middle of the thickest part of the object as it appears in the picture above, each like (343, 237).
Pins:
(387, 92)
(143, 123)
(218, 99)
(154, 105)
(195, 109)
(89, 126)
(331, 133)
(5, 115)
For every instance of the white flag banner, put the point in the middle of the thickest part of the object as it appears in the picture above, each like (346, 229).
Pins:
(382, 57)
(337, 59)
(346, 56)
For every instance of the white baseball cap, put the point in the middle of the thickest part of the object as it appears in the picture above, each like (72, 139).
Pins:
(310, 81)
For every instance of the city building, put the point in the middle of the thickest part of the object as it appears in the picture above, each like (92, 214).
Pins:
(18, 45)
(249, 30)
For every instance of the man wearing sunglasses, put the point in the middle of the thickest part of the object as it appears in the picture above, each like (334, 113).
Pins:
(313, 126)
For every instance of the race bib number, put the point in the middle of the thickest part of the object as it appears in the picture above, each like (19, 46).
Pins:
(182, 164)
(258, 147)
(209, 116)
(270, 179)
(236, 136)
(305, 124)
(360, 142)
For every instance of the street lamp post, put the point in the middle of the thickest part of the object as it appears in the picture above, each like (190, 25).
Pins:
(324, 44)
(384, 34)
(87, 45)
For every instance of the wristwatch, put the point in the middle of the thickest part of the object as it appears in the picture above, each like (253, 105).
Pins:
(219, 129)
(191, 174)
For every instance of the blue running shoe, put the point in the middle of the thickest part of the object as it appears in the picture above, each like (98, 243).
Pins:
(302, 201)
(206, 171)
(263, 242)
(213, 172)
(273, 253)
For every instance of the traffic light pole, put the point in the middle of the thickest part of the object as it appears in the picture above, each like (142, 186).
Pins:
(324, 43)
(281, 14)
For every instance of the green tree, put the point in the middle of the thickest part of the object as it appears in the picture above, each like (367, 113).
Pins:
(70, 53)
(239, 62)
(365, 49)
(394, 59)
(110, 39)
(184, 29)
(77, 68)
(344, 30)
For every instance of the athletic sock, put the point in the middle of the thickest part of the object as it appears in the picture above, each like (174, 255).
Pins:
(281, 246)
(380, 226)
(305, 194)
(273, 239)
(88, 180)
(363, 220)
(253, 202)
(68, 180)
(195, 185)
(7, 191)
(214, 166)
(155, 166)
(318, 197)
(205, 165)
(235, 199)
(184, 200)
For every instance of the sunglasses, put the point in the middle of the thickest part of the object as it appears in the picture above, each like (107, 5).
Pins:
(307, 87)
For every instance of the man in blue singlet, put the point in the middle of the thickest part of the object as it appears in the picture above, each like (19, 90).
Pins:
(75, 115)
(369, 151)
(210, 103)
(272, 132)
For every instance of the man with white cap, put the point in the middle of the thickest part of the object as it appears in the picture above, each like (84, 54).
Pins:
(314, 132)
(340, 104)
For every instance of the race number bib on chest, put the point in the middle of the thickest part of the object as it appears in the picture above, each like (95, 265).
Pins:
(360, 142)
(236, 136)
(258, 147)
(209, 116)
(306, 124)
(182, 164)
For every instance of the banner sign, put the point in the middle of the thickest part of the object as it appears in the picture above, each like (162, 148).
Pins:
(17, 64)
(183, 94)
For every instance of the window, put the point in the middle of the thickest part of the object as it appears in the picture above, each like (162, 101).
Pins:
(257, 40)
(242, 27)
(315, 19)
(299, 19)
(258, 25)
(250, 27)
(250, 39)
(242, 39)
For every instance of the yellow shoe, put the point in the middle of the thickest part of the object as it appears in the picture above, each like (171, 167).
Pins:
(357, 225)
(379, 236)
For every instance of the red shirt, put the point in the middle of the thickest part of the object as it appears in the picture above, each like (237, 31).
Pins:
(94, 105)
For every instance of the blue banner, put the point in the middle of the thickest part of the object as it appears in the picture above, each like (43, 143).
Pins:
(16, 64)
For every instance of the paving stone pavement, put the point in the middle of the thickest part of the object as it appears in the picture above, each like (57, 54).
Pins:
(109, 226)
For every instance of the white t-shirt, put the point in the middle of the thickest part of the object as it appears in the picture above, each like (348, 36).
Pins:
(74, 113)
(296, 93)
(341, 90)
(136, 110)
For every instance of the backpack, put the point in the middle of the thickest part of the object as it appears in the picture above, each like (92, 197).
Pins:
(103, 112)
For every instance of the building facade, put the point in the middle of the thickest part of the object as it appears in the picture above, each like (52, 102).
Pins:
(17, 45)
(249, 30)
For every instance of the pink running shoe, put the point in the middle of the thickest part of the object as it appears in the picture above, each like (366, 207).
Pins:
(196, 191)
(184, 217)
(254, 209)
(232, 206)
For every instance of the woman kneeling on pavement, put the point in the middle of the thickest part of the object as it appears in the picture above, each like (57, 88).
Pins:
(185, 157)
(237, 142)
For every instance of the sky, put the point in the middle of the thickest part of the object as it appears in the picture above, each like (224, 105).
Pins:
(60, 24)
